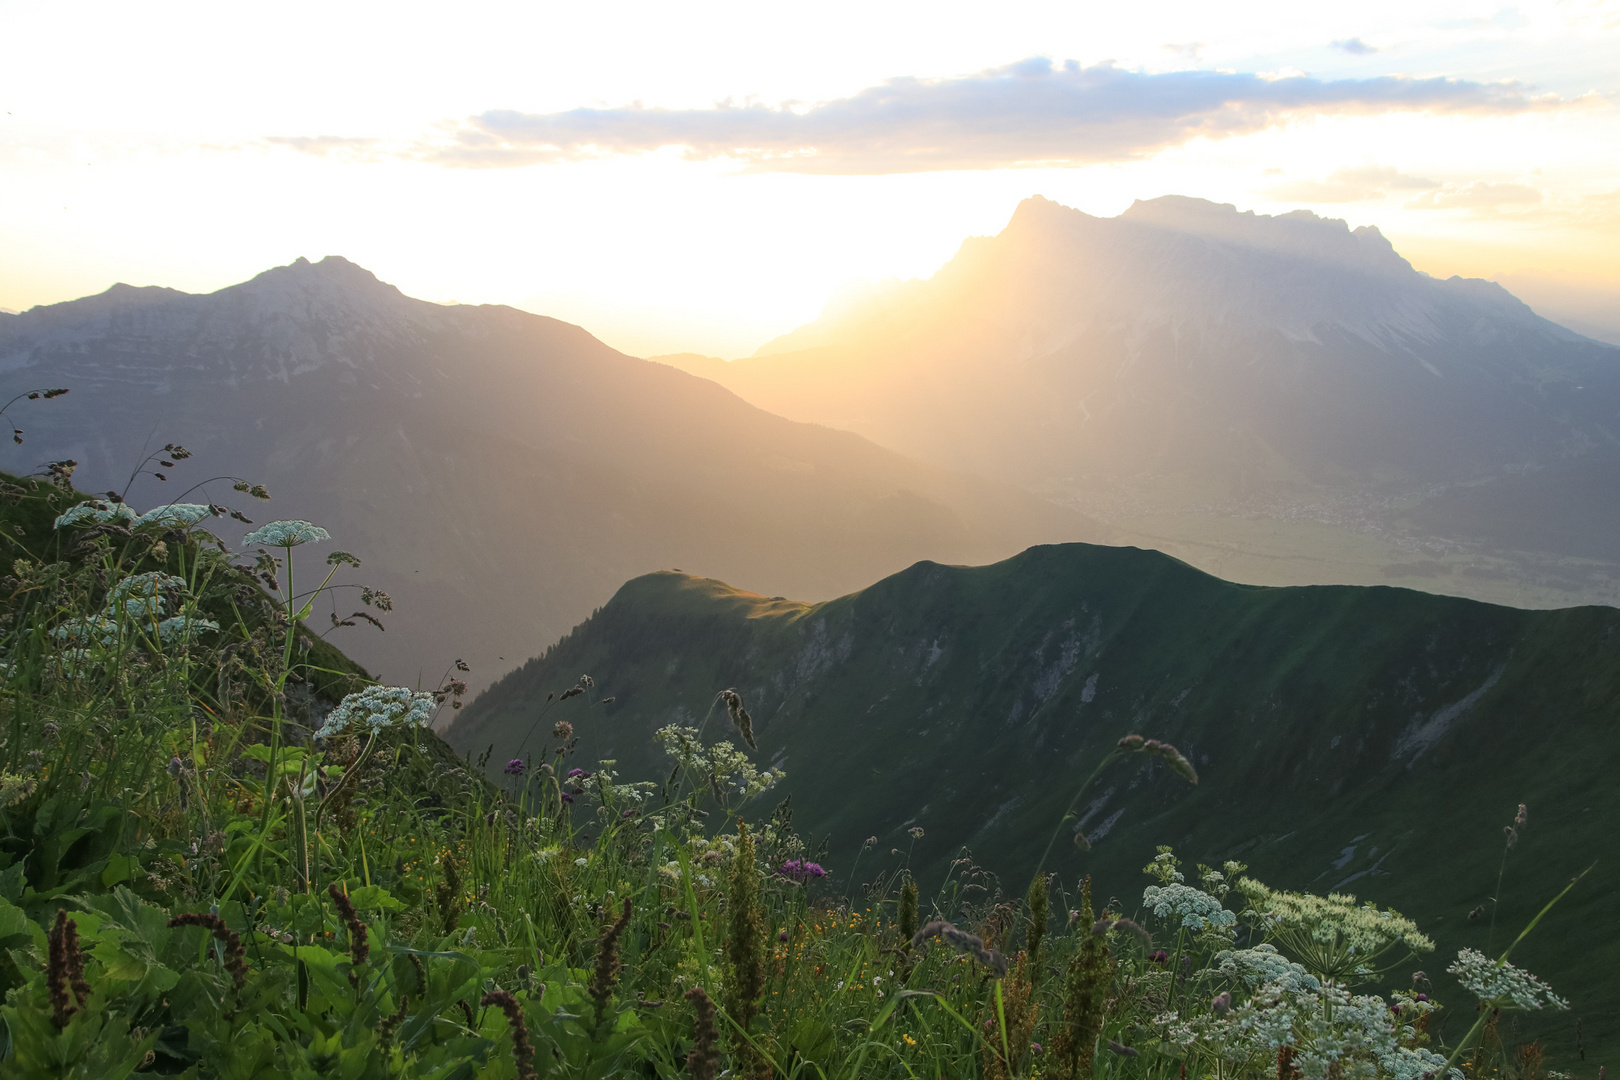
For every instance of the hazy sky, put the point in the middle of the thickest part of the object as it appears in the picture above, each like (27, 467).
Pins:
(702, 176)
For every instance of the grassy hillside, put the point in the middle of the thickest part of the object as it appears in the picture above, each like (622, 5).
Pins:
(210, 869)
(1373, 740)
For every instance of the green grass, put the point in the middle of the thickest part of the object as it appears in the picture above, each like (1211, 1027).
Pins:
(198, 878)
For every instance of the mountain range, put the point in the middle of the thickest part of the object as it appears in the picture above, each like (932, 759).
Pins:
(1278, 399)
(499, 473)
(1371, 740)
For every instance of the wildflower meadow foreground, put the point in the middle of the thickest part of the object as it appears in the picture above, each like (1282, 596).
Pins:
(225, 853)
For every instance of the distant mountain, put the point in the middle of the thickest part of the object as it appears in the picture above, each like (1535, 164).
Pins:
(1368, 740)
(1185, 366)
(499, 472)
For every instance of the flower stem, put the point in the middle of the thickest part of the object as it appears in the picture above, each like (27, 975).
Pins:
(1073, 803)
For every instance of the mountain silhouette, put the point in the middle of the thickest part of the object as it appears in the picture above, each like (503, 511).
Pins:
(499, 472)
(1185, 363)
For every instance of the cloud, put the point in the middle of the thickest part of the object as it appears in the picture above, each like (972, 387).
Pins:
(340, 146)
(1481, 195)
(1352, 185)
(1355, 46)
(1028, 113)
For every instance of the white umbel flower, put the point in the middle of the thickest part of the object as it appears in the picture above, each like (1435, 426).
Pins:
(1196, 909)
(1499, 983)
(176, 515)
(180, 628)
(140, 596)
(379, 707)
(286, 534)
(97, 512)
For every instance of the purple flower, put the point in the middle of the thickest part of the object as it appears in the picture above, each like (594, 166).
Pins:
(1423, 997)
(580, 773)
(566, 797)
(783, 936)
(801, 870)
(1034, 1048)
(515, 767)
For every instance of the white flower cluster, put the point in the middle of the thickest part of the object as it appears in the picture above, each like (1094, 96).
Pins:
(1164, 867)
(97, 512)
(1499, 983)
(107, 512)
(379, 707)
(93, 630)
(286, 534)
(1196, 909)
(1335, 918)
(603, 785)
(671, 872)
(681, 743)
(1330, 1032)
(175, 515)
(139, 598)
(178, 629)
(1263, 964)
(722, 764)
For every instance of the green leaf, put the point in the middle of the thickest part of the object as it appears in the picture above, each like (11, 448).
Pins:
(119, 868)
(120, 963)
(12, 919)
(374, 898)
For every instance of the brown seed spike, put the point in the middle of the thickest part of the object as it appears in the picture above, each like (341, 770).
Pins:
(739, 717)
(359, 948)
(606, 975)
(75, 963)
(235, 952)
(57, 968)
(522, 1048)
(704, 1058)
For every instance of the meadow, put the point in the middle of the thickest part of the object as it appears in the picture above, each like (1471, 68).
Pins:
(226, 852)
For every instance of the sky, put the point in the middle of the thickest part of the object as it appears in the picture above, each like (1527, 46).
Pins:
(703, 177)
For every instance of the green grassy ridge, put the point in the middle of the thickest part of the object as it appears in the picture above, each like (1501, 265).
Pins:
(956, 698)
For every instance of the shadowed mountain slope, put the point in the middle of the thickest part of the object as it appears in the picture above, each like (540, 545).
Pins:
(500, 473)
(1184, 361)
(1373, 740)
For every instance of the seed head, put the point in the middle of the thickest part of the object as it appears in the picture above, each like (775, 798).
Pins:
(606, 975)
(64, 970)
(235, 953)
(522, 1048)
(963, 941)
(704, 1058)
(739, 717)
(359, 949)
